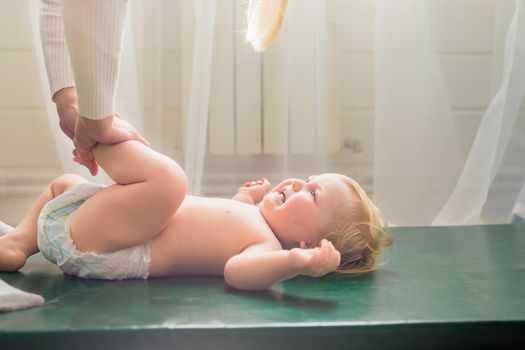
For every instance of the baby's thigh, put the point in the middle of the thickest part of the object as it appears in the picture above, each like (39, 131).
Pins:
(117, 217)
(64, 182)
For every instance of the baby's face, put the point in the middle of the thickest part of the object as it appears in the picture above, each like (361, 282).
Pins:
(298, 210)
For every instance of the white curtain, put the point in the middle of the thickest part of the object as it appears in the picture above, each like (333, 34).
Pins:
(198, 107)
(494, 172)
(244, 104)
(416, 161)
(419, 175)
(297, 113)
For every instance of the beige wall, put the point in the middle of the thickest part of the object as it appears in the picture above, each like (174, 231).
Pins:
(463, 32)
(24, 130)
(28, 158)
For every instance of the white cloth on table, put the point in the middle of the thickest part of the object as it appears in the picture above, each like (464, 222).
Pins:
(12, 298)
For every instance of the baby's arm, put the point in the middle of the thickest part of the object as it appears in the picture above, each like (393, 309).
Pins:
(259, 267)
(253, 192)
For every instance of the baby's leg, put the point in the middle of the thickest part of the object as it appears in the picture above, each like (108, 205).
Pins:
(19, 244)
(148, 191)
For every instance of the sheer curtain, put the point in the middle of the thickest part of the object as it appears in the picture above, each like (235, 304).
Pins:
(494, 173)
(418, 177)
(199, 98)
(299, 120)
(416, 163)
(253, 115)
(278, 114)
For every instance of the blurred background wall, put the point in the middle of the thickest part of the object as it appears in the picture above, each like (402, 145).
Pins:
(463, 42)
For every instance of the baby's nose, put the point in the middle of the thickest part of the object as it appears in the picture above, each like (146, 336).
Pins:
(297, 185)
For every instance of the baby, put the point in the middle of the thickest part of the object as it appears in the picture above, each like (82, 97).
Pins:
(145, 225)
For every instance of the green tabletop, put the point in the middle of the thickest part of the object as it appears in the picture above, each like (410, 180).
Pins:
(439, 287)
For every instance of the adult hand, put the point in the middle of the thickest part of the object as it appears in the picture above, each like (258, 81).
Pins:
(67, 109)
(86, 133)
(109, 130)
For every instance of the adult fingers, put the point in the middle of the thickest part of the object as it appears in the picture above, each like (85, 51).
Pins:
(86, 158)
(122, 131)
(126, 125)
(83, 145)
(67, 130)
(143, 140)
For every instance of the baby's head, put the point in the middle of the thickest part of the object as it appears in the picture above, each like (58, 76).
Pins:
(328, 206)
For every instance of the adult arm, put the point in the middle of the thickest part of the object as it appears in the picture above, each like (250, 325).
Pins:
(83, 39)
(58, 66)
(94, 31)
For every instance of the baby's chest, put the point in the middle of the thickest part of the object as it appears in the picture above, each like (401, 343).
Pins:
(204, 244)
(223, 224)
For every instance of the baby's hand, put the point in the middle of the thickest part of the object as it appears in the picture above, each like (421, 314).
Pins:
(256, 189)
(315, 262)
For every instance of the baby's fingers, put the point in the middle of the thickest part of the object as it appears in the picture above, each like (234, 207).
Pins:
(326, 247)
(265, 182)
(329, 256)
(334, 257)
(255, 183)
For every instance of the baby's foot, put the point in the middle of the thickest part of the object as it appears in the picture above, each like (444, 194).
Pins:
(12, 256)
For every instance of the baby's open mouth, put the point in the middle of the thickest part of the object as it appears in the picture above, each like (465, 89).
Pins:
(282, 196)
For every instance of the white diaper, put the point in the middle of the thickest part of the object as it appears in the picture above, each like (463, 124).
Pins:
(57, 246)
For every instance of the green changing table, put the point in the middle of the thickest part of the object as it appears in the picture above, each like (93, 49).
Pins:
(442, 287)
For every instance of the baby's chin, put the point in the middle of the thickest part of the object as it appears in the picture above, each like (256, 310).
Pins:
(271, 201)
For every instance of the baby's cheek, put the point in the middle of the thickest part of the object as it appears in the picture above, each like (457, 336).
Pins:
(299, 205)
(304, 199)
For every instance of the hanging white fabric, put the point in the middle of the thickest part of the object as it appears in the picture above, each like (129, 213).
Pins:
(416, 161)
(128, 99)
(496, 137)
(299, 117)
(197, 119)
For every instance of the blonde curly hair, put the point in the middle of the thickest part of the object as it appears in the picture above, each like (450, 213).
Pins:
(360, 235)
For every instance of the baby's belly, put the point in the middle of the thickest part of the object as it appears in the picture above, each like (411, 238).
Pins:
(203, 235)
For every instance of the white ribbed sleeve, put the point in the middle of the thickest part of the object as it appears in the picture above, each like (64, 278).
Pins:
(54, 46)
(83, 39)
(94, 32)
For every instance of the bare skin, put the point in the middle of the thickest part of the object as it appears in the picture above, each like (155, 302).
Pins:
(86, 133)
(21, 243)
(190, 235)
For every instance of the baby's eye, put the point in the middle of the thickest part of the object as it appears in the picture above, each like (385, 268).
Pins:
(313, 194)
